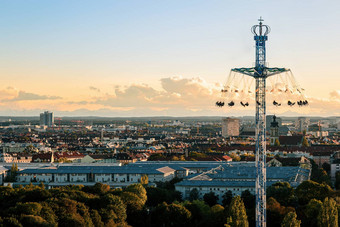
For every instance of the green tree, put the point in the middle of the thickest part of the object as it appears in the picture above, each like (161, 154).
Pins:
(71, 220)
(210, 198)
(113, 208)
(226, 198)
(237, 213)
(134, 208)
(327, 167)
(194, 194)
(156, 157)
(178, 215)
(312, 212)
(159, 215)
(323, 177)
(328, 215)
(308, 190)
(48, 214)
(305, 142)
(11, 222)
(29, 208)
(13, 173)
(73, 213)
(282, 192)
(174, 158)
(277, 143)
(170, 215)
(132, 201)
(276, 212)
(249, 202)
(98, 189)
(96, 218)
(217, 215)
(248, 199)
(319, 175)
(290, 220)
(337, 181)
(156, 196)
(144, 180)
(181, 158)
(139, 190)
(31, 220)
(200, 212)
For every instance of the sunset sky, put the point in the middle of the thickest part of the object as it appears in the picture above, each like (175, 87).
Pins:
(156, 58)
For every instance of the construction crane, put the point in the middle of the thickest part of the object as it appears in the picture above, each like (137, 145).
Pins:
(59, 120)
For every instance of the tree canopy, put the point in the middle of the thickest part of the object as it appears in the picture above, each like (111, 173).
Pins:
(237, 213)
(328, 214)
(308, 190)
(290, 220)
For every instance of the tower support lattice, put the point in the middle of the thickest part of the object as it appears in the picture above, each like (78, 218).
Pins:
(260, 72)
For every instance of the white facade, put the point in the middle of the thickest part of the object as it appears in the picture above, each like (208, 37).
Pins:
(108, 175)
(217, 189)
(318, 133)
(335, 167)
(78, 177)
(60, 177)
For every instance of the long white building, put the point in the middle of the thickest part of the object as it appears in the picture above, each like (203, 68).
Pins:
(115, 176)
(238, 178)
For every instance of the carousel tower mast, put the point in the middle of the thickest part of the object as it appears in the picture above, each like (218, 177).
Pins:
(260, 36)
(234, 89)
(260, 73)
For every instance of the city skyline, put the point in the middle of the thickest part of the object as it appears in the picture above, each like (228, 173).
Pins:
(158, 58)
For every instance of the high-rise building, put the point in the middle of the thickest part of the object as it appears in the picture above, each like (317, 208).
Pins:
(302, 124)
(47, 118)
(230, 127)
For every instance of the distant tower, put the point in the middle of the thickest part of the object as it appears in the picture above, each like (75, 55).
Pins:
(274, 131)
(102, 135)
(302, 124)
(230, 127)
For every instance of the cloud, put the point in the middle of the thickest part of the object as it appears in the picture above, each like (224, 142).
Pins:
(335, 94)
(10, 94)
(176, 92)
(78, 103)
(194, 96)
(176, 96)
(131, 96)
(324, 106)
(94, 88)
(22, 95)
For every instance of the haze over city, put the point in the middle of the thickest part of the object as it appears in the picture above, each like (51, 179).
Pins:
(159, 58)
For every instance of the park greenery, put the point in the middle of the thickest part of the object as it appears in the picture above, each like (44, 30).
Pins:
(310, 204)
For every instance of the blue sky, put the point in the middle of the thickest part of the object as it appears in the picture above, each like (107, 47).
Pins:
(62, 48)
